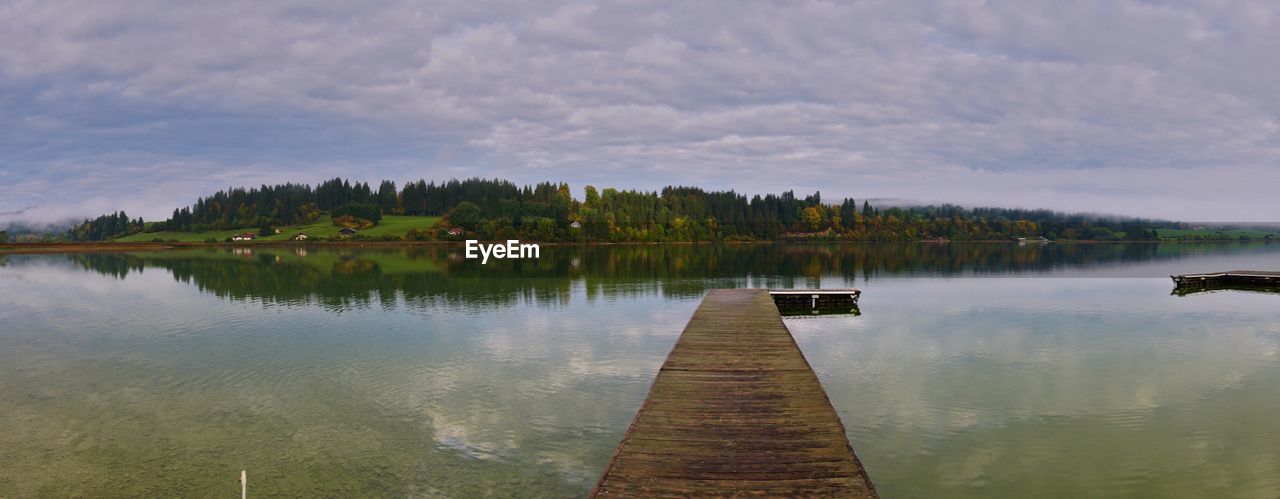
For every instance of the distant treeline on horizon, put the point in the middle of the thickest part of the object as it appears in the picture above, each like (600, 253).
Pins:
(500, 209)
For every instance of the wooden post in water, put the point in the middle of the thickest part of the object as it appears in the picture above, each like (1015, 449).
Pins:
(736, 409)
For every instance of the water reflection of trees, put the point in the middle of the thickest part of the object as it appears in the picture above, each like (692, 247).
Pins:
(437, 275)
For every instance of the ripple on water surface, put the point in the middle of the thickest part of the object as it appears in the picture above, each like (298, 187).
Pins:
(449, 383)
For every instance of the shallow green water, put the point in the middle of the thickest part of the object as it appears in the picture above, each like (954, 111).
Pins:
(973, 371)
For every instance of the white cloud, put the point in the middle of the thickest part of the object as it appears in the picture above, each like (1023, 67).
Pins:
(946, 100)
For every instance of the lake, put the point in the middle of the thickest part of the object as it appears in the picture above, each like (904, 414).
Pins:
(973, 370)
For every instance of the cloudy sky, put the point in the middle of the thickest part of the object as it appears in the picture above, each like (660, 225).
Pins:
(1158, 109)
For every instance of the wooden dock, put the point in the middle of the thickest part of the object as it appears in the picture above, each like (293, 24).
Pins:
(1230, 277)
(816, 298)
(735, 410)
(804, 302)
(1244, 280)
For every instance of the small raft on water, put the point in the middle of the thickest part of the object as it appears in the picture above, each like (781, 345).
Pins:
(1259, 280)
(815, 299)
(1263, 277)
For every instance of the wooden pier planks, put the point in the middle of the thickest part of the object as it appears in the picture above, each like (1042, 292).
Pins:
(735, 410)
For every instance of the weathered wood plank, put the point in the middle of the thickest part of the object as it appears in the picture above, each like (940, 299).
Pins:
(735, 410)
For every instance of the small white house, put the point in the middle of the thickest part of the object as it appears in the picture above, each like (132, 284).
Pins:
(243, 236)
(456, 231)
(299, 237)
(575, 225)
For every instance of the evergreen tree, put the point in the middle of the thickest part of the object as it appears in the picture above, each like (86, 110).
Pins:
(675, 213)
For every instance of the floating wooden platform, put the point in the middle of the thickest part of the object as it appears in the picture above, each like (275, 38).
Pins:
(1244, 280)
(816, 298)
(796, 302)
(735, 410)
(1231, 277)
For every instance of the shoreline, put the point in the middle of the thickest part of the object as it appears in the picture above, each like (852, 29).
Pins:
(114, 247)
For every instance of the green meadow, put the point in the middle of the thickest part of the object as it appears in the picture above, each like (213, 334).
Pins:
(394, 225)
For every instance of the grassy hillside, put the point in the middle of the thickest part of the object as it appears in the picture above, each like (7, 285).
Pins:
(1216, 234)
(179, 236)
(396, 225)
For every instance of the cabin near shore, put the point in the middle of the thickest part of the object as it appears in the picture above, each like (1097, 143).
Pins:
(244, 236)
(299, 237)
(347, 231)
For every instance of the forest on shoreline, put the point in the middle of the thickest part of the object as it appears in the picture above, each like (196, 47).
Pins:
(498, 209)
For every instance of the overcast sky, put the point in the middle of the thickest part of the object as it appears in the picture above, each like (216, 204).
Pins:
(1157, 109)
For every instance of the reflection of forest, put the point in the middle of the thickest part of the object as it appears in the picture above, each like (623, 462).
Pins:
(438, 274)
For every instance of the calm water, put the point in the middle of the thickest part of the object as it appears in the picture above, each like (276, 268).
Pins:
(973, 371)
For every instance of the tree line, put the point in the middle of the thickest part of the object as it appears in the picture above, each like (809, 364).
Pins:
(109, 226)
(547, 211)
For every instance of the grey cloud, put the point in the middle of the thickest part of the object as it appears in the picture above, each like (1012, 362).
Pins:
(1111, 106)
